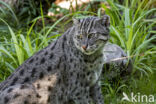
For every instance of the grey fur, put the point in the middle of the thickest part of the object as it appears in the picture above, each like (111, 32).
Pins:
(62, 72)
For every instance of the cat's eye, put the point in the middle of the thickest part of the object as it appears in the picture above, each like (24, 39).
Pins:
(79, 36)
(92, 36)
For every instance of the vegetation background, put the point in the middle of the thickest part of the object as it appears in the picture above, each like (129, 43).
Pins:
(27, 26)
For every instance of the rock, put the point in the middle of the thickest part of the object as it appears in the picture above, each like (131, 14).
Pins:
(117, 64)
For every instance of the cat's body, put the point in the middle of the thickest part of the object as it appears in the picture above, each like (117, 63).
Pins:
(65, 71)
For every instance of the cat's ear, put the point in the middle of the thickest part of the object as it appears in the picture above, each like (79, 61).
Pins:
(76, 21)
(105, 21)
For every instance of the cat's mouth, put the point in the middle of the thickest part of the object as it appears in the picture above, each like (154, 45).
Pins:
(88, 51)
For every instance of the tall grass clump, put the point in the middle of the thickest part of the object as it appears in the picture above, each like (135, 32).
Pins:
(131, 28)
(20, 46)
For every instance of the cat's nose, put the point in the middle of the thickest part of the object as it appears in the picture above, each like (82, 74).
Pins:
(84, 47)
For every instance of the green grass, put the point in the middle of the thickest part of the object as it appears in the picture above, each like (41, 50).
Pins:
(131, 28)
(132, 31)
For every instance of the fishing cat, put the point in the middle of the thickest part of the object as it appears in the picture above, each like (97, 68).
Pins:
(68, 70)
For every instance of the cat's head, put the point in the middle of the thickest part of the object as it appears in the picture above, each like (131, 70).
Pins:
(91, 33)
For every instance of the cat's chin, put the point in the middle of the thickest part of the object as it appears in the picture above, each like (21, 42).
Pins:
(88, 53)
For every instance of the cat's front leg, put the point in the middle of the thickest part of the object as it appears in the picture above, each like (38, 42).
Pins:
(96, 94)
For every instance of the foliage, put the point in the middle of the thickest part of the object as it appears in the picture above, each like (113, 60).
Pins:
(131, 28)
